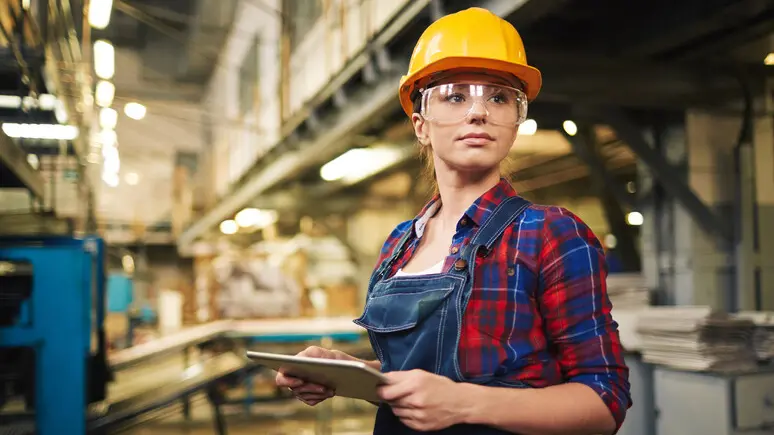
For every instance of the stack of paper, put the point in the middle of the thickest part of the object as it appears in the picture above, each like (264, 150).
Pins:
(763, 337)
(696, 338)
(627, 291)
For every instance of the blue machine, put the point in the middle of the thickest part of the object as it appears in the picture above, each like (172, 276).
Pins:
(52, 342)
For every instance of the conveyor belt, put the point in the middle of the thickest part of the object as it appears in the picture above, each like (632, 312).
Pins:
(110, 417)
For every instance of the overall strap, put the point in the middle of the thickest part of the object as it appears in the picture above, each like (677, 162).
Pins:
(504, 215)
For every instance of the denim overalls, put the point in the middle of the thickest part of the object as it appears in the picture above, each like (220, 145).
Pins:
(414, 322)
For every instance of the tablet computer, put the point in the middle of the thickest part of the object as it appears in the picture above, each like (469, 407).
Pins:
(348, 378)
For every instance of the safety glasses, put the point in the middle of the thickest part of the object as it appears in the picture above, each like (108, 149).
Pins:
(452, 103)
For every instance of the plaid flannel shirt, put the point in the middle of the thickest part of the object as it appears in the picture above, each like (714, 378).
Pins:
(554, 323)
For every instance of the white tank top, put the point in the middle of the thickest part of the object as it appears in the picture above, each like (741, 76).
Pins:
(436, 268)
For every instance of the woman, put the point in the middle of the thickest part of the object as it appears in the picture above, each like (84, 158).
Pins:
(508, 329)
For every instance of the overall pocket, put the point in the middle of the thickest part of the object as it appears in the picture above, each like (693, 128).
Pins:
(408, 327)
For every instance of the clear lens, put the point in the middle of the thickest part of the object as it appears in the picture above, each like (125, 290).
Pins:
(452, 103)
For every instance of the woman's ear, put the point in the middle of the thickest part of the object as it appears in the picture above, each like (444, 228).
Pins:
(420, 129)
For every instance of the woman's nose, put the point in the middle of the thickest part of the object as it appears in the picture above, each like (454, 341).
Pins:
(477, 111)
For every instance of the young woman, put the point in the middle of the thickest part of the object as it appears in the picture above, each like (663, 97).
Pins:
(488, 314)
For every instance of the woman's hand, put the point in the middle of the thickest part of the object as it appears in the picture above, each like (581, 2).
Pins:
(423, 401)
(307, 392)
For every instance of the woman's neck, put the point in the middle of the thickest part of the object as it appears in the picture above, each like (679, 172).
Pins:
(459, 191)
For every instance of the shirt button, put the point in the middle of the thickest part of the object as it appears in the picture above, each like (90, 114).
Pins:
(511, 271)
(455, 250)
(460, 264)
(464, 222)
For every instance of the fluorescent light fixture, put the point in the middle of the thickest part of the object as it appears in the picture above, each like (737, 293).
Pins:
(769, 60)
(110, 178)
(108, 118)
(10, 101)
(570, 128)
(33, 160)
(60, 112)
(104, 93)
(104, 59)
(43, 102)
(635, 218)
(528, 128)
(47, 102)
(107, 138)
(359, 163)
(255, 218)
(229, 227)
(40, 131)
(111, 160)
(135, 111)
(99, 13)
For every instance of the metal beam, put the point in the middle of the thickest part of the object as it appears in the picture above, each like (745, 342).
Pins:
(628, 131)
(14, 169)
(610, 193)
(686, 22)
(586, 151)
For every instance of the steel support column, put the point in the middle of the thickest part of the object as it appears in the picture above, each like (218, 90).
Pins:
(627, 130)
(611, 195)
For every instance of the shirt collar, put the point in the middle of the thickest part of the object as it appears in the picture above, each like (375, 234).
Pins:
(478, 212)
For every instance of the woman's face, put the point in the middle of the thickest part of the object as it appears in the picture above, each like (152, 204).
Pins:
(474, 143)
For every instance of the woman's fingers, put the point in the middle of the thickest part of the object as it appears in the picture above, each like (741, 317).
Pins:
(310, 388)
(288, 381)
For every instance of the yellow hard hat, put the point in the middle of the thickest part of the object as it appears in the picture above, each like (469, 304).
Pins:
(472, 38)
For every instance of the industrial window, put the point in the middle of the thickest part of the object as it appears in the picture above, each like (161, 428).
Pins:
(249, 78)
(302, 14)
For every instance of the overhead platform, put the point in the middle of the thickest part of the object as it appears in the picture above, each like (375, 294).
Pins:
(119, 414)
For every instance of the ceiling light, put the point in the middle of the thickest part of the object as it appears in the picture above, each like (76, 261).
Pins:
(104, 93)
(135, 110)
(10, 101)
(41, 131)
(570, 128)
(108, 118)
(46, 102)
(255, 218)
(359, 163)
(99, 13)
(104, 59)
(60, 112)
(769, 60)
(33, 160)
(110, 178)
(635, 218)
(528, 128)
(229, 227)
(132, 178)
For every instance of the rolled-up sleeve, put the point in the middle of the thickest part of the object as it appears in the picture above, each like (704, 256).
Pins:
(576, 310)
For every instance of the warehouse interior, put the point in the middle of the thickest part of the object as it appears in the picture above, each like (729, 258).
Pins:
(185, 180)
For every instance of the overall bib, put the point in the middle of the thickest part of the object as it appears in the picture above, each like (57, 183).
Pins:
(414, 322)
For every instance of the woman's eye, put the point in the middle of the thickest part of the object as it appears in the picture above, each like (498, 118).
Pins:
(499, 99)
(455, 98)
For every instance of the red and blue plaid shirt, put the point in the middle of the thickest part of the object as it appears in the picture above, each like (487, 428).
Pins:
(539, 310)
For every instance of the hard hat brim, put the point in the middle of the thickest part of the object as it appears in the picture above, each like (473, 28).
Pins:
(530, 76)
